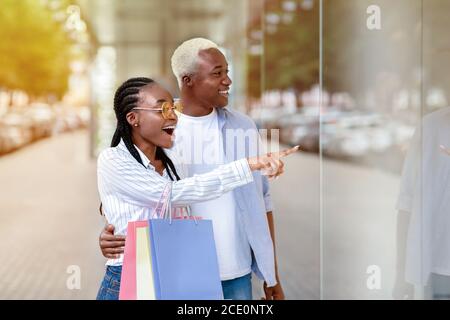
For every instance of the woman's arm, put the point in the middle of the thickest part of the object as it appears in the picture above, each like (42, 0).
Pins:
(118, 173)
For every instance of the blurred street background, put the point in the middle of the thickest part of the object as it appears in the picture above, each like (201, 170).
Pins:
(351, 97)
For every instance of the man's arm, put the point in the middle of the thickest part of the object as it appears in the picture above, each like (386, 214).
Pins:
(112, 246)
(272, 235)
(276, 292)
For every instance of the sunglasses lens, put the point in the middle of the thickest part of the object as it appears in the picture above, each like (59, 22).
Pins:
(165, 109)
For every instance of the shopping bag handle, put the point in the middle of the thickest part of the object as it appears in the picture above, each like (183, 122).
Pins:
(167, 203)
(160, 207)
(167, 195)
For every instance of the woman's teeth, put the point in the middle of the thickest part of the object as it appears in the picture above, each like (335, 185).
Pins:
(169, 130)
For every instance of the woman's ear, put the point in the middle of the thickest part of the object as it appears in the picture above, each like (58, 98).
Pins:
(133, 119)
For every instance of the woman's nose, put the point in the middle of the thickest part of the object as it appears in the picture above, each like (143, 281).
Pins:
(172, 115)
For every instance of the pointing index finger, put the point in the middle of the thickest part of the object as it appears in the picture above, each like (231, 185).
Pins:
(287, 152)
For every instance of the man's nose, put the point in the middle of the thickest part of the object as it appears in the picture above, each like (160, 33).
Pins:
(227, 81)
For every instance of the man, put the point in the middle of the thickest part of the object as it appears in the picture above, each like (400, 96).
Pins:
(206, 137)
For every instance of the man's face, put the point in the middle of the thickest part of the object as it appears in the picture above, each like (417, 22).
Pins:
(211, 82)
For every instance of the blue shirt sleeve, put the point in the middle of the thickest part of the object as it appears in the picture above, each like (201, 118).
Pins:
(266, 193)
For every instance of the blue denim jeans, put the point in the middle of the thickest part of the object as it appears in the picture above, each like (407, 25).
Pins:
(235, 289)
(238, 289)
(110, 287)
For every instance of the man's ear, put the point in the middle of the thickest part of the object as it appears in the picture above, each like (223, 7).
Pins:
(132, 118)
(187, 80)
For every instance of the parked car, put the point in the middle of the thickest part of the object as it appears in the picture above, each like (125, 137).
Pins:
(15, 132)
(39, 120)
(43, 119)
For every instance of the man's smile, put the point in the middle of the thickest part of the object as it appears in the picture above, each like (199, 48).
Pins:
(224, 93)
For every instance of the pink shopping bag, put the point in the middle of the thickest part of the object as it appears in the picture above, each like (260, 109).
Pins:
(128, 289)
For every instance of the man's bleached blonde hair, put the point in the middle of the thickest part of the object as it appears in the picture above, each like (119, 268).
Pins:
(185, 57)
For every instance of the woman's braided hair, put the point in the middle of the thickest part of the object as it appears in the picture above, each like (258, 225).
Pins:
(126, 98)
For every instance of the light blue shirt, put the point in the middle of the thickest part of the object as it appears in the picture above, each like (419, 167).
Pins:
(252, 202)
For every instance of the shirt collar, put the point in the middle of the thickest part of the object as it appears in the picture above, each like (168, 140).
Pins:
(221, 115)
(145, 160)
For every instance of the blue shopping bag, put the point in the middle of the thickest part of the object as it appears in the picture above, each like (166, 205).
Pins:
(184, 258)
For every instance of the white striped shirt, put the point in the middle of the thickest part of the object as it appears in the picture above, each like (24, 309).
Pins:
(130, 191)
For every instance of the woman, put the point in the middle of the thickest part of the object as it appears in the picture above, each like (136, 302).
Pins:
(134, 172)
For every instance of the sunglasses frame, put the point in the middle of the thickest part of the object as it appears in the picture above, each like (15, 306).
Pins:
(165, 108)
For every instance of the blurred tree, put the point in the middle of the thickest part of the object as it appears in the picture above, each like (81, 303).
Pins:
(34, 50)
(254, 76)
(290, 47)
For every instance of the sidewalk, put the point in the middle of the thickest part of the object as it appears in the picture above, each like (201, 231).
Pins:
(49, 220)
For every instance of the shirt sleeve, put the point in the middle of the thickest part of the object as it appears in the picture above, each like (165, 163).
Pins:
(266, 194)
(410, 174)
(119, 173)
(260, 150)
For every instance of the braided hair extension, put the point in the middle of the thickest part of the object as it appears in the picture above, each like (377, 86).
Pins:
(125, 99)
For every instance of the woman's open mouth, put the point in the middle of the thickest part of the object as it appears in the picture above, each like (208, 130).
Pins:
(169, 130)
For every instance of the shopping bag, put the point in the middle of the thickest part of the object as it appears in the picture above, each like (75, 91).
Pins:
(141, 278)
(136, 281)
(144, 273)
(184, 259)
(137, 276)
(128, 276)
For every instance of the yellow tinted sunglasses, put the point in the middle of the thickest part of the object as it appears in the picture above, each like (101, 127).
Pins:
(166, 108)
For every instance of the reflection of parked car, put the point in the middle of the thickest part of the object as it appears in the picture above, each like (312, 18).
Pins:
(352, 143)
(300, 129)
(264, 117)
(359, 133)
(268, 118)
(307, 136)
(343, 133)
